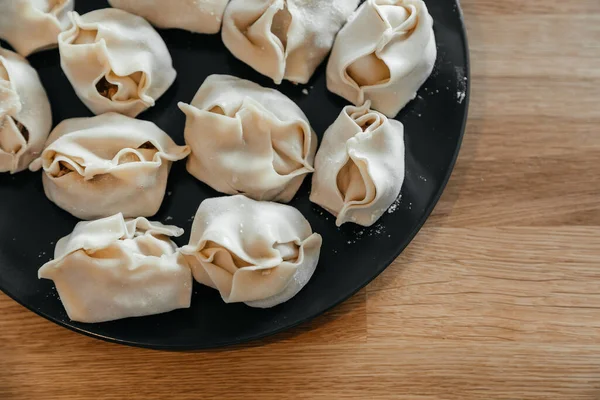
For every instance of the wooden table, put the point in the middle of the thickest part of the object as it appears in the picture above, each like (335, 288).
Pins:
(497, 298)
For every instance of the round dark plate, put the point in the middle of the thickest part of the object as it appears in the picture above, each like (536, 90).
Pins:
(351, 256)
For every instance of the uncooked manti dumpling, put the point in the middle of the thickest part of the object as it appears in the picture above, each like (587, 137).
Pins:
(115, 61)
(384, 54)
(33, 25)
(25, 116)
(359, 169)
(248, 139)
(100, 166)
(259, 253)
(202, 16)
(284, 39)
(112, 268)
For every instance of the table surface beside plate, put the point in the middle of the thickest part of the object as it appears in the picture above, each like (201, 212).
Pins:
(497, 297)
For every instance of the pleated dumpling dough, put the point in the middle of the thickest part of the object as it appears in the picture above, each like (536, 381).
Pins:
(384, 54)
(284, 39)
(248, 139)
(33, 25)
(112, 268)
(359, 169)
(115, 61)
(259, 253)
(100, 166)
(25, 115)
(202, 16)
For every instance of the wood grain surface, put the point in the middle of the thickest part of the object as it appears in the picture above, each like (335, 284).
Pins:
(497, 298)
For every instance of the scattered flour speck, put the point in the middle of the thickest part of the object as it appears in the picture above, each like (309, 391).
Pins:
(461, 89)
(394, 207)
(377, 230)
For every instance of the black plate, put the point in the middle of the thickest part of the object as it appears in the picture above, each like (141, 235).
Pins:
(351, 257)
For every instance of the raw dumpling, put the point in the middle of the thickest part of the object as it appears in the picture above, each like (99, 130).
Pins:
(259, 253)
(384, 54)
(96, 167)
(359, 169)
(248, 139)
(112, 268)
(115, 61)
(284, 39)
(25, 115)
(202, 16)
(33, 25)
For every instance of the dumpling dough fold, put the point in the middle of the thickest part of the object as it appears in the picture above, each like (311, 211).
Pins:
(201, 16)
(112, 268)
(284, 39)
(25, 115)
(115, 61)
(96, 167)
(246, 139)
(33, 25)
(359, 169)
(384, 54)
(259, 253)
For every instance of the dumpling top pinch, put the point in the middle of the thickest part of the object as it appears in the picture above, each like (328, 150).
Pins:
(247, 139)
(255, 252)
(97, 167)
(284, 39)
(386, 51)
(33, 25)
(115, 268)
(115, 61)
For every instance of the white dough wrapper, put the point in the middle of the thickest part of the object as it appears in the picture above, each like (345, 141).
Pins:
(114, 268)
(259, 253)
(115, 61)
(201, 16)
(100, 166)
(25, 115)
(284, 39)
(246, 139)
(33, 25)
(359, 169)
(384, 54)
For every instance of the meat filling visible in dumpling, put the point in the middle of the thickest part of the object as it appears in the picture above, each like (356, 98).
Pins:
(115, 61)
(106, 89)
